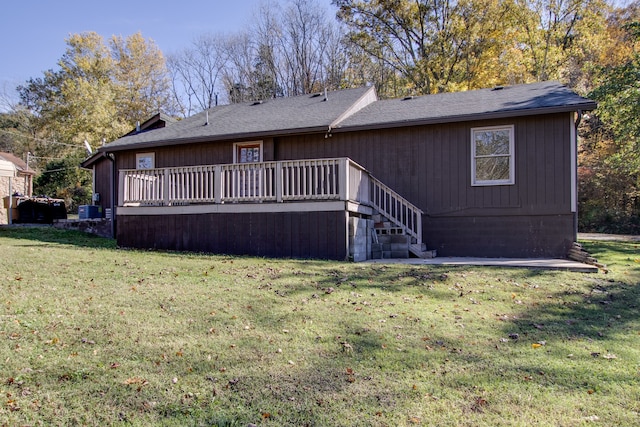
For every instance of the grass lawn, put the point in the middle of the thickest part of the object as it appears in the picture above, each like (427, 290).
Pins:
(92, 335)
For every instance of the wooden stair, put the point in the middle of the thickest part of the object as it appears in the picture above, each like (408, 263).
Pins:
(397, 221)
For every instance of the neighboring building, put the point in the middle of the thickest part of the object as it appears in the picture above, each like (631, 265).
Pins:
(15, 179)
(489, 172)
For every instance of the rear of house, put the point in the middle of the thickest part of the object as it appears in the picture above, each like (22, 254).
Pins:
(344, 175)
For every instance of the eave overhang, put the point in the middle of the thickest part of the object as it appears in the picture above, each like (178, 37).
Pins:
(246, 136)
(505, 114)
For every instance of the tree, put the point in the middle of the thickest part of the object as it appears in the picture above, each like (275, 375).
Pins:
(97, 93)
(432, 45)
(560, 39)
(610, 157)
(291, 50)
(64, 179)
(196, 72)
(143, 84)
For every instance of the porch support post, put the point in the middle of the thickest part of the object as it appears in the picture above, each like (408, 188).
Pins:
(121, 187)
(278, 182)
(343, 184)
(165, 187)
(217, 184)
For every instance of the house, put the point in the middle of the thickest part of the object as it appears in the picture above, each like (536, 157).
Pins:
(342, 174)
(16, 181)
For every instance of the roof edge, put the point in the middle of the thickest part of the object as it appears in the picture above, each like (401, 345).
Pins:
(587, 106)
(195, 140)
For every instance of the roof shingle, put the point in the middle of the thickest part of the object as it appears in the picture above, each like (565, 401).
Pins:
(508, 101)
(355, 109)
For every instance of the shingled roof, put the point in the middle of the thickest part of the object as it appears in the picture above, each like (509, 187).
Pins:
(280, 116)
(508, 101)
(354, 109)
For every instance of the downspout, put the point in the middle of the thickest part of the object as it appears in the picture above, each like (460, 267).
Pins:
(113, 194)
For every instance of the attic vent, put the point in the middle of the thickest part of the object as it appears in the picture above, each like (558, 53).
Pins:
(498, 88)
(257, 103)
(407, 98)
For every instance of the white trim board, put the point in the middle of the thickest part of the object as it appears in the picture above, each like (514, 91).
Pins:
(244, 208)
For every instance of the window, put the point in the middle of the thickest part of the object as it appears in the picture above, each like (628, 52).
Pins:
(248, 152)
(145, 160)
(492, 156)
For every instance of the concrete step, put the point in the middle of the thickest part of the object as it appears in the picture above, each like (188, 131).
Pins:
(421, 251)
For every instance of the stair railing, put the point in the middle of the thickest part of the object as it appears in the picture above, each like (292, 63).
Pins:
(397, 209)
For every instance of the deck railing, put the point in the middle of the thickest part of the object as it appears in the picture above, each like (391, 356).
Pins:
(282, 181)
(397, 209)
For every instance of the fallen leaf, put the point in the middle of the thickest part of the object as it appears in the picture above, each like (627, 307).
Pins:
(136, 380)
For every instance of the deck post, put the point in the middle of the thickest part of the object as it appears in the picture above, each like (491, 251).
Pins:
(217, 184)
(165, 187)
(279, 178)
(121, 186)
(343, 174)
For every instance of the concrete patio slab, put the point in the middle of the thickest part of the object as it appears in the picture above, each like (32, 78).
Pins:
(533, 263)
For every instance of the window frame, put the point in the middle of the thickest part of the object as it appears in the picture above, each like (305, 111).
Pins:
(150, 157)
(511, 180)
(248, 144)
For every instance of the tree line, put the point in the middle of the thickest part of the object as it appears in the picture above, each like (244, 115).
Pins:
(99, 89)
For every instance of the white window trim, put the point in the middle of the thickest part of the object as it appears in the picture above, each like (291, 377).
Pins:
(151, 156)
(237, 145)
(512, 167)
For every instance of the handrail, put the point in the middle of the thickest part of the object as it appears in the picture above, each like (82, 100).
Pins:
(281, 181)
(397, 209)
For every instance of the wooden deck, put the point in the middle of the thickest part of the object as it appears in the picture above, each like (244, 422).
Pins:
(315, 185)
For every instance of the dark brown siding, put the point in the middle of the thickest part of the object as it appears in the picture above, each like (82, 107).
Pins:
(102, 183)
(320, 235)
(431, 167)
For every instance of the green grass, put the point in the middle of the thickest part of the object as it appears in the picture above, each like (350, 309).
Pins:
(93, 335)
